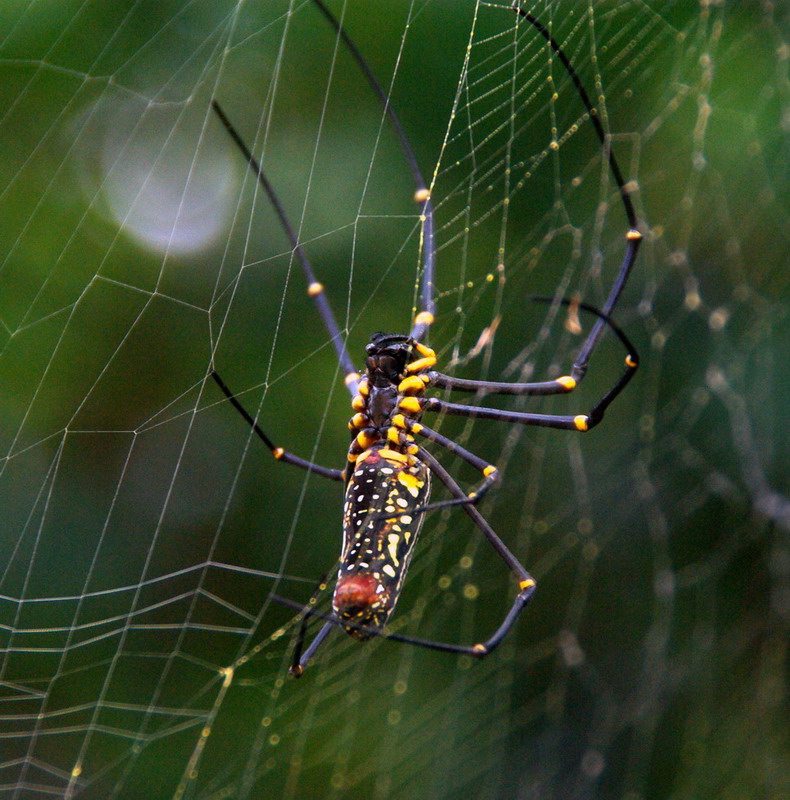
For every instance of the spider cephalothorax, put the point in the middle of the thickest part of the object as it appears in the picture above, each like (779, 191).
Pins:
(396, 367)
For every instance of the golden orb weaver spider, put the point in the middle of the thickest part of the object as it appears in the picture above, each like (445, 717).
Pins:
(388, 474)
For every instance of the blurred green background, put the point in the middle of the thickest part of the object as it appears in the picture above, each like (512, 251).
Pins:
(143, 529)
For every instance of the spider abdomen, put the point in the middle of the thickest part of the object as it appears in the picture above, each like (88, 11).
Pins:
(379, 534)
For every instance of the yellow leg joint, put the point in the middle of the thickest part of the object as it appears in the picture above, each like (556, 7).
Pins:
(581, 422)
(278, 452)
(527, 584)
(424, 318)
(414, 384)
(365, 440)
(567, 383)
(633, 235)
(315, 289)
(424, 350)
(411, 405)
(352, 377)
(489, 470)
(421, 363)
(629, 362)
(399, 421)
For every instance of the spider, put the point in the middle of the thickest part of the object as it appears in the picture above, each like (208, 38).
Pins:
(388, 473)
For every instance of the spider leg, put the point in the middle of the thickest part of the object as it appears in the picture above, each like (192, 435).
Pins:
(526, 582)
(278, 452)
(489, 471)
(314, 288)
(562, 385)
(300, 659)
(422, 195)
(480, 650)
(579, 422)
(633, 236)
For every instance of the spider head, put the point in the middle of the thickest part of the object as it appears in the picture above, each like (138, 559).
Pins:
(388, 354)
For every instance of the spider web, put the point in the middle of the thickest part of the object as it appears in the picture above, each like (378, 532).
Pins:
(145, 528)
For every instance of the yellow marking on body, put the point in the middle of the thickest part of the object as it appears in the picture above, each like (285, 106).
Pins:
(393, 455)
(392, 548)
(489, 470)
(411, 482)
(526, 584)
(278, 452)
(581, 422)
(413, 450)
(315, 288)
(363, 387)
(365, 440)
(567, 382)
(352, 377)
(629, 362)
(414, 384)
(393, 435)
(387, 569)
(421, 195)
(424, 318)
(633, 235)
(410, 404)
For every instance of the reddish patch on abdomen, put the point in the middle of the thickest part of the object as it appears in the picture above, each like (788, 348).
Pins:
(354, 594)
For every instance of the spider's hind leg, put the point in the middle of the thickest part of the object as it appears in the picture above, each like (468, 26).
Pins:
(278, 452)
